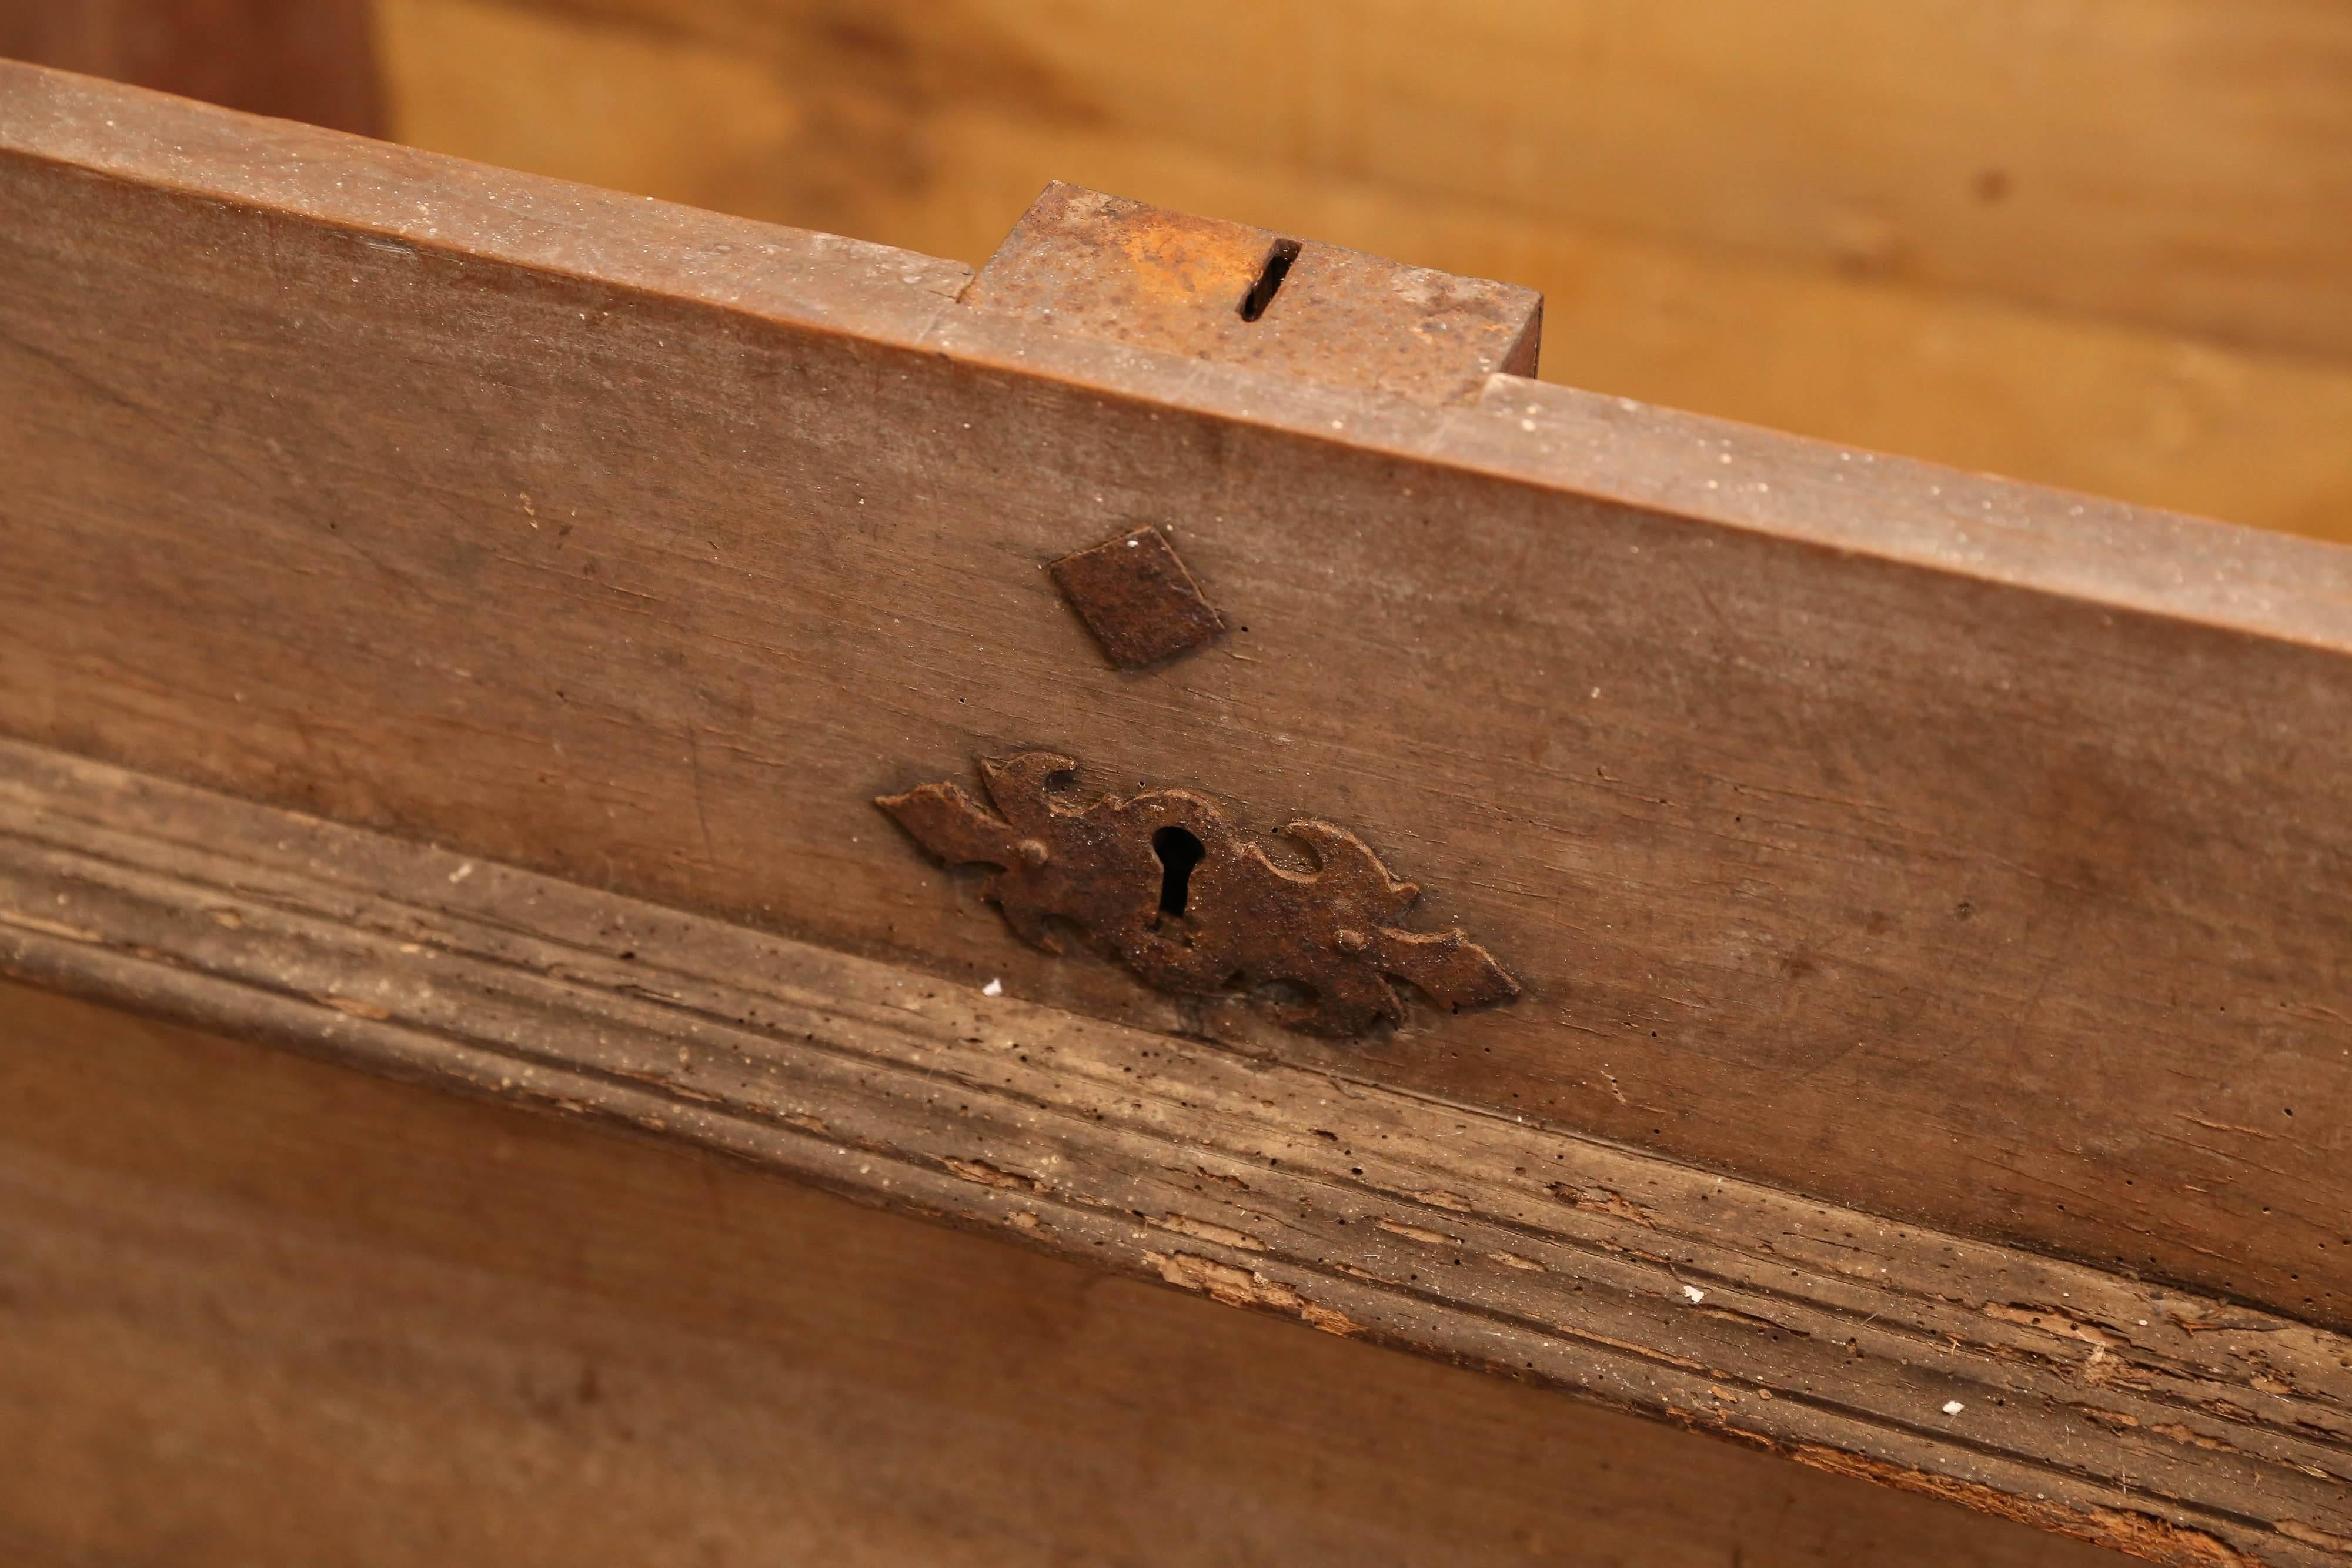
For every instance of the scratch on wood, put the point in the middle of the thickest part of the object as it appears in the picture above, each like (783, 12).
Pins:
(2049, 1320)
(48, 927)
(1603, 1200)
(987, 1175)
(1206, 1231)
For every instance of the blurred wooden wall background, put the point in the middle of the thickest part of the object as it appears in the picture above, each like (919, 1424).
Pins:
(2100, 244)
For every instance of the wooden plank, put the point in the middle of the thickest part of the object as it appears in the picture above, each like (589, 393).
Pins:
(2171, 1424)
(2175, 162)
(302, 59)
(250, 1298)
(648, 548)
(2152, 414)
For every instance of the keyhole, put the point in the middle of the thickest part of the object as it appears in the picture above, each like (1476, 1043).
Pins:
(1277, 268)
(1179, 851)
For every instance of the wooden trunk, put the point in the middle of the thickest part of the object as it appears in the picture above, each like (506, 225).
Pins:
(1877, 990)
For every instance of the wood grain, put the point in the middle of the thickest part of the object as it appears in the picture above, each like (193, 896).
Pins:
(937, 137)
(649, 547)
(250, 1300)
(2167, 1424)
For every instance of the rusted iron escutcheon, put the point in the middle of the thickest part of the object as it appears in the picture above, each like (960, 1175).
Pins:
(1162, 880)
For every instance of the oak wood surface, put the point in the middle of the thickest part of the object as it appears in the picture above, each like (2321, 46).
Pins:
(251, 1302)
(2169, 1425)
(1956, 851)
(1877, 328)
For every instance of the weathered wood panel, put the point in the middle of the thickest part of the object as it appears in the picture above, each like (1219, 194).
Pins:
(936, 136)
(251, 1301)
(2162, 1422)
(1806, 793)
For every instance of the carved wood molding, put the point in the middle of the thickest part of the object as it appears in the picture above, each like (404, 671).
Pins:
(2175, 1426)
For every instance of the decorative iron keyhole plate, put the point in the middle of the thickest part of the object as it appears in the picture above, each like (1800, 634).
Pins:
(1164, 882)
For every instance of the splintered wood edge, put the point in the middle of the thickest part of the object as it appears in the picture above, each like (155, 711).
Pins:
(2179, 1428)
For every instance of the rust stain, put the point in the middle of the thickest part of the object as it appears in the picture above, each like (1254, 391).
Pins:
(1174, 260)
(1163, 881)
